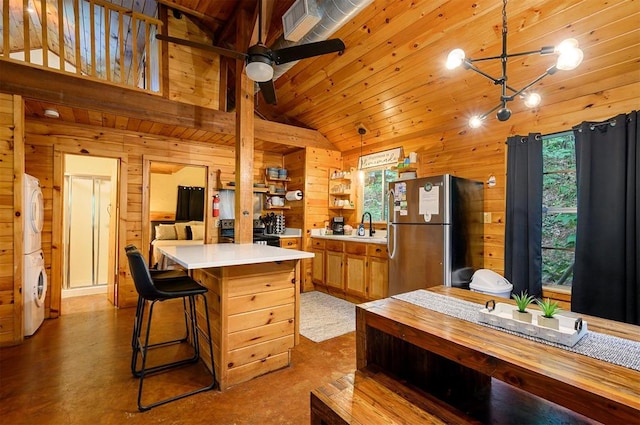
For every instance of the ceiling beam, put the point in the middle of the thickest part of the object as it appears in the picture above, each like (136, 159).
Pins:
(193, 13)
(68, 90)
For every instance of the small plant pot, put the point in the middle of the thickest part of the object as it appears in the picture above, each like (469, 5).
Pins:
(549, 322)
(521, 316)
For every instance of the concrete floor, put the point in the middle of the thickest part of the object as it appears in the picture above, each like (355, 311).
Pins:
(76, 370)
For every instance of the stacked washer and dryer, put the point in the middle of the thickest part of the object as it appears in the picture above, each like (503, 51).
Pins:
(34, 288)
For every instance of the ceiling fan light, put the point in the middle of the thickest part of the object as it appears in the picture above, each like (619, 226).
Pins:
(259, 70)
(531, 100)
(455, 58)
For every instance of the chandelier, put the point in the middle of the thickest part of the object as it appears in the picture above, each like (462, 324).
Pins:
(569, 57)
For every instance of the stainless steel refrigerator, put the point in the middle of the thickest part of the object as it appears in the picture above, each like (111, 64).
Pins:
(435, 228)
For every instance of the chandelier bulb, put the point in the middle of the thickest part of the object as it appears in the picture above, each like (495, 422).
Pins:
(569, 55)
(531, 100)
(475, 121)
(455, 58)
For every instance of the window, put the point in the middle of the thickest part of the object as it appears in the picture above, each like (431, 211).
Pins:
(559, 208)
(374, 192)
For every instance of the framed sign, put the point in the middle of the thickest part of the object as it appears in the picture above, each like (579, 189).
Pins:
(377, 159)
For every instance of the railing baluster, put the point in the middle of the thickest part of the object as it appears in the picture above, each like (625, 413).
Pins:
(5, 29)
(107, 42)
(121, 45)
(45, 35)
(92, 25)
(26, 35)
(76, 16)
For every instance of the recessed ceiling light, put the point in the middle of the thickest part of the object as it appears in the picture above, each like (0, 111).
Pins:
(51, 113)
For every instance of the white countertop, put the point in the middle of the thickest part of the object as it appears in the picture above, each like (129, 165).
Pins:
(229, 254)
(378, 238)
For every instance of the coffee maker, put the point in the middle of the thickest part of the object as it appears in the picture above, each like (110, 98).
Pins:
(337, 225)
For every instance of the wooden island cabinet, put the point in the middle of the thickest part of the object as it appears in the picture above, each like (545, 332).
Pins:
(254, 305)
(350, 269)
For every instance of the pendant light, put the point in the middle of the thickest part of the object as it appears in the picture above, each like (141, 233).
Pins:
(569, 57)
(361, 131)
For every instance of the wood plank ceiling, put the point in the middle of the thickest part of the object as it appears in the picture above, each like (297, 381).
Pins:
(391, 77)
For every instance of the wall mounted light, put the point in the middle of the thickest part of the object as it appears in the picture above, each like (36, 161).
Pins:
(51, 113)
(569, 57)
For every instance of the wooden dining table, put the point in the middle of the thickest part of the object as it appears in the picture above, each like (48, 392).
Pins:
(449, 357)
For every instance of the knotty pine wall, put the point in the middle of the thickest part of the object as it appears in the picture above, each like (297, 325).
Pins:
(309, 172)
(193, 73)
(11, 225)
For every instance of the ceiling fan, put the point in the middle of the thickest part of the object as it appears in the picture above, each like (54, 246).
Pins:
(260, 59)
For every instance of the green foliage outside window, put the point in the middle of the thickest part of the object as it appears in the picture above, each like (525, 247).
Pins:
(375, 186)
(559, 208)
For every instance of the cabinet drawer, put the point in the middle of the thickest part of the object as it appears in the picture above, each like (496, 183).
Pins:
(334, 246)
(377, 250)
(289, 243)
(355, 248)
(317, 243)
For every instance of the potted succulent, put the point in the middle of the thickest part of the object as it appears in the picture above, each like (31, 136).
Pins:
(549, 309)
(522, 301)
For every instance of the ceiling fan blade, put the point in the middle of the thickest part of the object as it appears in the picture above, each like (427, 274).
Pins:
(303, 51)
(268, 91)
(219, 50)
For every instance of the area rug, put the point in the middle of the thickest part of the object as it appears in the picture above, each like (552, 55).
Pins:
(324, 317)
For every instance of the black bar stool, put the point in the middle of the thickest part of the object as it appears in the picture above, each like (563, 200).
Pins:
(159, 278)
(185, 288)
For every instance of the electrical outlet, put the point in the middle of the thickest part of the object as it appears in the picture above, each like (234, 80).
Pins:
(216, 222)
(487, 217)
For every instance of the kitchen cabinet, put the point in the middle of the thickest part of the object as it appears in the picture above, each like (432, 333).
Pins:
(317, 269)
(352, 270)
(355, 271)
(290, 243)
(333, 265)
(377, 272)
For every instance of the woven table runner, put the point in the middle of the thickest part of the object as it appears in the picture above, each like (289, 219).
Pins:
(608, 348)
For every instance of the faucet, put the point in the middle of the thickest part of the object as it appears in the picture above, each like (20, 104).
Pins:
(371, 231)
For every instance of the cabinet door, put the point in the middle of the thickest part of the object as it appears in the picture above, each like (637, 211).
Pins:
(333, 270)
(355, 274)
(317, 271)
(378, 278)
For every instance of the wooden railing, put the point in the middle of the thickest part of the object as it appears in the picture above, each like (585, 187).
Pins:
(90, 38)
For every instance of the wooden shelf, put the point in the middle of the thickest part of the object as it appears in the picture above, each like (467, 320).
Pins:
(340, 193)
(253, 189)
(271, 207)
(342, 208)
(412, 167)
(286, 179)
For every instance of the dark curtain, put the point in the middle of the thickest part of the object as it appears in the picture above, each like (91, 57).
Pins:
(190, 203)
(605, 279)
(523, 234)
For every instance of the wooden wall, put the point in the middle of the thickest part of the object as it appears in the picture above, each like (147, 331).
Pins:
(309, 171)
(11, 225)
(193, 73)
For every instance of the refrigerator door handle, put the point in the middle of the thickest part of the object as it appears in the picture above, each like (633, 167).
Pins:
(391, 228)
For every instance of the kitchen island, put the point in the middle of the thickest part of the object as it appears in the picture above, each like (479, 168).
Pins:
(254, 305)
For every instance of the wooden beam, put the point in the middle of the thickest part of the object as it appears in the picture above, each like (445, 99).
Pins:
(69, 90)
(194, 13)
(244, 143)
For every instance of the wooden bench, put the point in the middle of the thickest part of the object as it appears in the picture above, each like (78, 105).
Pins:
(370, 398)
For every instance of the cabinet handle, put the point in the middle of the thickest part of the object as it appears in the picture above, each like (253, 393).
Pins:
(378, 250)
(289, 243)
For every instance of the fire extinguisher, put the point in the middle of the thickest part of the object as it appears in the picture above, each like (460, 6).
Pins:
(216, 205)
